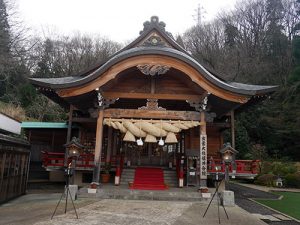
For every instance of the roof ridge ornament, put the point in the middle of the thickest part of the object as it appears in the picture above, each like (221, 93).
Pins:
(154, 22)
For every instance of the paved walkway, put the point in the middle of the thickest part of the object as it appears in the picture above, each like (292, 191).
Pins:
(37, 209)
(131, 212)
(30, 208)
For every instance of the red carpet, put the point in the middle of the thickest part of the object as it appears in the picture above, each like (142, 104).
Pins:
(148, 179)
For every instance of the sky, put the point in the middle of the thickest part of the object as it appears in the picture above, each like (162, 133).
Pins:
(118, 20)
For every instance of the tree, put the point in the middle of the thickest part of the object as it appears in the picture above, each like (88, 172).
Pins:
(5, 56)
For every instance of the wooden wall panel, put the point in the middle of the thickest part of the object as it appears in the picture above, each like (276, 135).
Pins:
(214, 141)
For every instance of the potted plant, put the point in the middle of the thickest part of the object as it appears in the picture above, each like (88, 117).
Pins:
(105, 176)
(93, 188)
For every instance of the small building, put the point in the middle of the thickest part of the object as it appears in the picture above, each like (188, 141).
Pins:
(45, 138)
(14, 159)
(147, 106)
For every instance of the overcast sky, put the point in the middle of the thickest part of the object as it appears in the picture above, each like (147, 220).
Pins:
(119, 20)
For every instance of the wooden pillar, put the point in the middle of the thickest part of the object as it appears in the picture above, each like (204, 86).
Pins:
(233, 138)
(203, 152)
(109, 144)
(69, 133)
(98, 147)
(115, 143)
(232, 129)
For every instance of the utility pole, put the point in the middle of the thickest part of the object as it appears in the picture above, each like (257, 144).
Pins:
(199, 14)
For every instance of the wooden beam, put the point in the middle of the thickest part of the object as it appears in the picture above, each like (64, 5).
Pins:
(175, 63)
(152, 114)
(114, 95)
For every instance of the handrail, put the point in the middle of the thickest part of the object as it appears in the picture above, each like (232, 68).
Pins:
(56, 159)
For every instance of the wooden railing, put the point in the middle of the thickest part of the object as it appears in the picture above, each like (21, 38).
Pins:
(84, 161)
(242, 166)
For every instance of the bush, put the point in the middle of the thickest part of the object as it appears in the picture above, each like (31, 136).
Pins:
(280, 169)
(265, 179)
(293, 180)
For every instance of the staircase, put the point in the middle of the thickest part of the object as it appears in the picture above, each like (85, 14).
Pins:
(171, 178)
(127, 175)
(148, 179)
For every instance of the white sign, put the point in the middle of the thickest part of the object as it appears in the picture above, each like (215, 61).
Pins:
(203, 156)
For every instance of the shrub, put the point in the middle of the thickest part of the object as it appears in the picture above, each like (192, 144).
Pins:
(293, 180)
(278, 168)
(265, 179)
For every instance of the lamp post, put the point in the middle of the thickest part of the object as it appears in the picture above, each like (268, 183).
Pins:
(74, 148)
(228, 155)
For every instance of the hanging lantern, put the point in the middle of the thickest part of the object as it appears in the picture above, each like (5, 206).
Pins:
(171, 138)
(150, 139)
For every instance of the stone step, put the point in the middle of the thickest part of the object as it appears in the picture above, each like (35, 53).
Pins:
(170, 177)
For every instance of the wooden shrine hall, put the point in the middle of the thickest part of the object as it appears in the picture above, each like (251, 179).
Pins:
(150, 106)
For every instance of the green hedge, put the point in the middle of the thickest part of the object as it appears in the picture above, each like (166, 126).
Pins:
(292, 180)
(265, 179)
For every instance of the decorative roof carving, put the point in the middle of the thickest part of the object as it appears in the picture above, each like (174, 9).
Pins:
(152, 104)
(153, 69)
(154, 40)
(154, 21)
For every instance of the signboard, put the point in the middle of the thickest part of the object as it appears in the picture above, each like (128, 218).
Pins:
(203, 156)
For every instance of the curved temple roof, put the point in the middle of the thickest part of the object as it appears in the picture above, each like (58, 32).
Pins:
(164, 45)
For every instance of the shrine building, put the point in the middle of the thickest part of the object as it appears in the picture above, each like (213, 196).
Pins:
(150, 108)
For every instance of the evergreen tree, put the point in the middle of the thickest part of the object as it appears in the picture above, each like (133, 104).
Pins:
(5, 56)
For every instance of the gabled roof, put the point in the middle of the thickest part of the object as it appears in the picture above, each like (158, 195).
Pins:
(153, 40)
(68, 82)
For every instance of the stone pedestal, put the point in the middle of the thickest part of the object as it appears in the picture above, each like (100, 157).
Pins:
(73, 191)
(227, 198)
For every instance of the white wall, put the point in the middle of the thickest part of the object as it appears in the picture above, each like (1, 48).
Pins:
(10, 125)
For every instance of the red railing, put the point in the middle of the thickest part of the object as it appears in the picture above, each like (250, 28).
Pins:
(53, 159)
(84, 161)
(242, 166)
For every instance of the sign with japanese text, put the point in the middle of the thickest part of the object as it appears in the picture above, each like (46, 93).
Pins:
(203, 156)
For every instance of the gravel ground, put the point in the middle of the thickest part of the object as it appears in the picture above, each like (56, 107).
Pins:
(242, 195)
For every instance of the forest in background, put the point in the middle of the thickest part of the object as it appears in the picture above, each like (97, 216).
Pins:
(257, 43)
